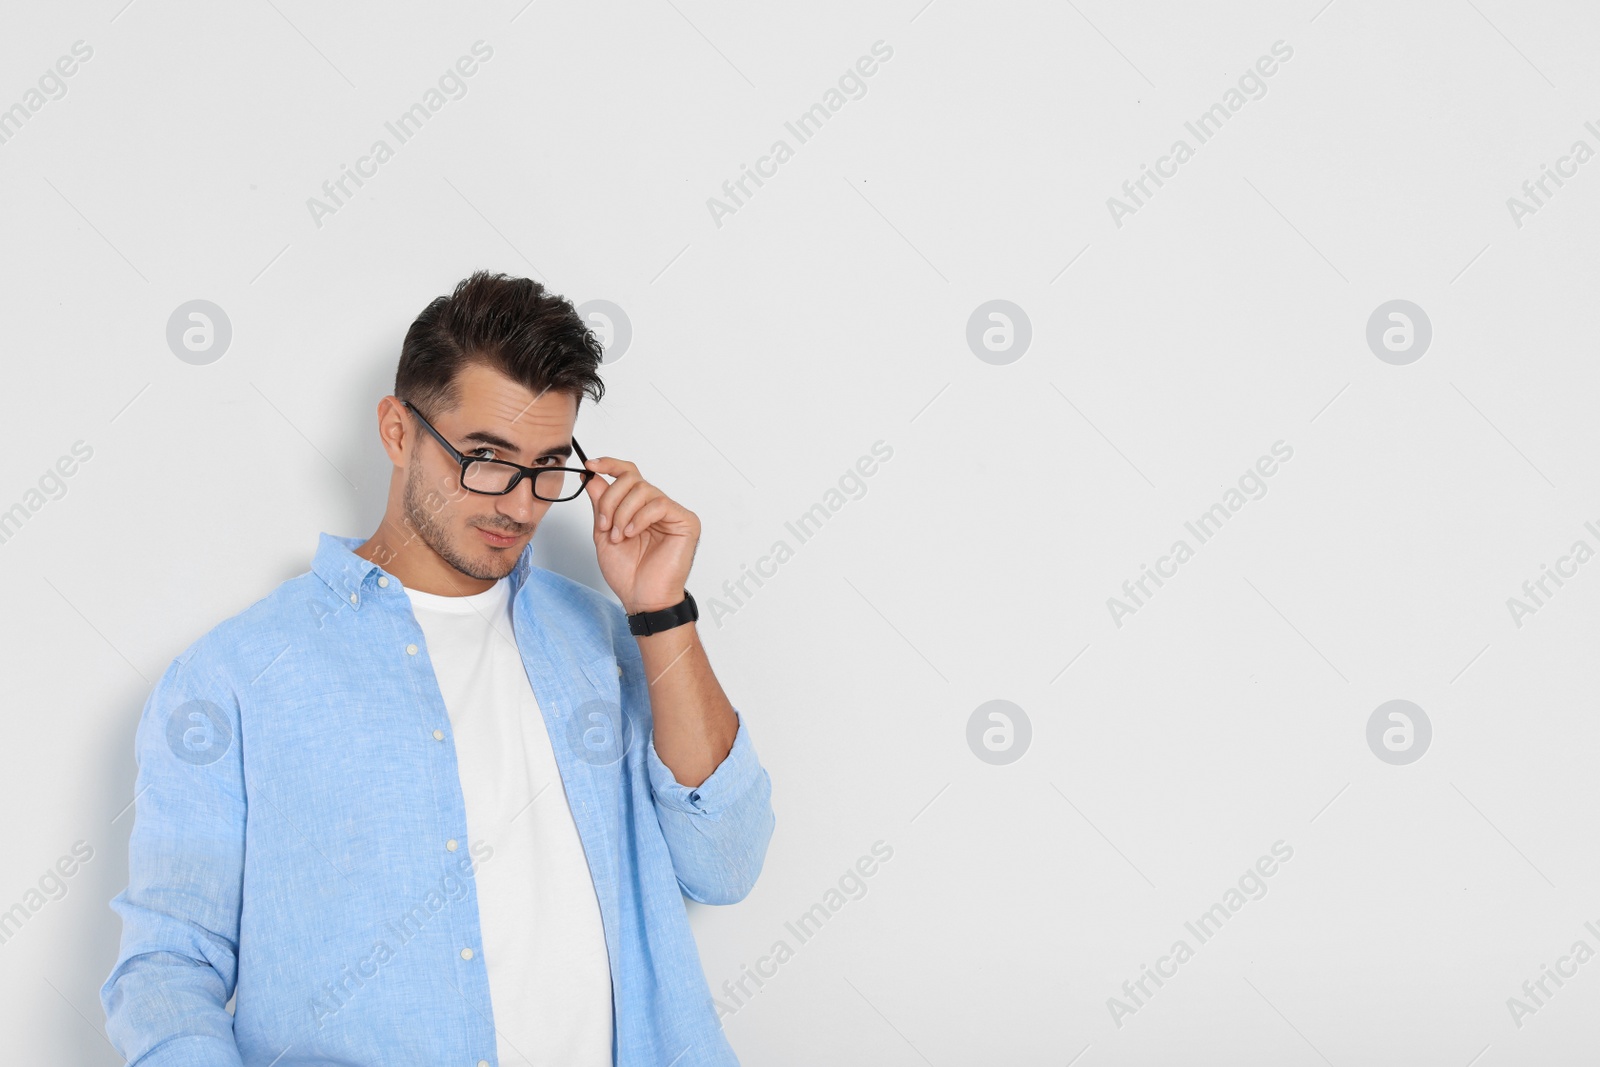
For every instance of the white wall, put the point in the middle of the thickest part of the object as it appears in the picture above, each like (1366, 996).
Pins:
(770, 349)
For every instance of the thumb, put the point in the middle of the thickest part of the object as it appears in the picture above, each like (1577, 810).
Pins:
(593, 490)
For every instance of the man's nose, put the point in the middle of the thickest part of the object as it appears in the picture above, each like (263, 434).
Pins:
(520, 504)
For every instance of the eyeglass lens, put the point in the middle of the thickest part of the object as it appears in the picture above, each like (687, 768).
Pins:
(487, 476)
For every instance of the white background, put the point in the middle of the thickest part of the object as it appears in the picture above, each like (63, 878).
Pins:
(770, 352)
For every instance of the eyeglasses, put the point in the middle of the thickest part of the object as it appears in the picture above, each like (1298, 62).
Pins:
(497, 477)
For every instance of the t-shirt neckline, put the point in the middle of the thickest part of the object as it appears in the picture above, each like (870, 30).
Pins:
(472, 603)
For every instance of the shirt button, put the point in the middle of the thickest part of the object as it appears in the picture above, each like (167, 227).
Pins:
(353, 598)
(438, 735)
(483, 1063)
(466, 953)
(450, 845)
(383, 583)
(411, 650)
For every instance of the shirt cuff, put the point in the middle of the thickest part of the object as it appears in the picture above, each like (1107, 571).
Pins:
(738, 771)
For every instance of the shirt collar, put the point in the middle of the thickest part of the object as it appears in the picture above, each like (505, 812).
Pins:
(349, 575)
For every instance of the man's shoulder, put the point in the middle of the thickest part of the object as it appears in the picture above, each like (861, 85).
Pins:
(261, 629)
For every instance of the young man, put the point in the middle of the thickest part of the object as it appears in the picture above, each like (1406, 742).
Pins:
(427, 803)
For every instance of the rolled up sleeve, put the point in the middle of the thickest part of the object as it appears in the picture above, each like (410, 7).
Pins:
(165, 999)
(718, 830)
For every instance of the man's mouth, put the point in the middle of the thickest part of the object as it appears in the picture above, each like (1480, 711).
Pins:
(498, 540)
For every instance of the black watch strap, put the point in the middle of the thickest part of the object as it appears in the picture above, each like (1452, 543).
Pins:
(645, 623)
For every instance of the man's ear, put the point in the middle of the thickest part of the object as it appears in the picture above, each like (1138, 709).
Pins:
(393, 428)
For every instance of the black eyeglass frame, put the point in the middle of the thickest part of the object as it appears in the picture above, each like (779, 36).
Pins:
(522, 472)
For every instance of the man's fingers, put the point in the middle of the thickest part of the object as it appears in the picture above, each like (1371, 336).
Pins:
(643, 518)
(641, 497)
(613, 495)
(611, 465)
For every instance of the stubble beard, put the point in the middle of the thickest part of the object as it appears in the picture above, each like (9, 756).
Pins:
(436, 536)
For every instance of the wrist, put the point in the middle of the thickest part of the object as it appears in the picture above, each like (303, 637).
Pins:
(653, 605)
(674, 637)
(654, 620)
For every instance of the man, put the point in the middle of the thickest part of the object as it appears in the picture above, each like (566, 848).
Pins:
(428, 803)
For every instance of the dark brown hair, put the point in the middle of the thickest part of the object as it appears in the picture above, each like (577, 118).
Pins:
(512, 325)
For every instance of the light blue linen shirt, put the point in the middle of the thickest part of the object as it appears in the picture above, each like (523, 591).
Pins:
(297, 828)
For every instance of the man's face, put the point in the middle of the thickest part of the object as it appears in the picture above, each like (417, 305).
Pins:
(496, 419)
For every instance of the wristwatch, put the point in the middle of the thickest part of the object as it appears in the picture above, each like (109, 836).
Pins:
(645, 623)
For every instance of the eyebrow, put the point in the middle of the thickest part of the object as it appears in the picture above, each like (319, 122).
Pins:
(493, 440)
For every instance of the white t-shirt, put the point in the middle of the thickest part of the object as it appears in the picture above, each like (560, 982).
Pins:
(543, 947)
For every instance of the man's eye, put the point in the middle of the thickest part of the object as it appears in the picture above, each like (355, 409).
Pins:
(484, 448)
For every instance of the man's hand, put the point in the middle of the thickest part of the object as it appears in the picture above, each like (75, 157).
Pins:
(644, 539)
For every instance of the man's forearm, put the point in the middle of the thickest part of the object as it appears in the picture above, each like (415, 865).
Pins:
(694, 722)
